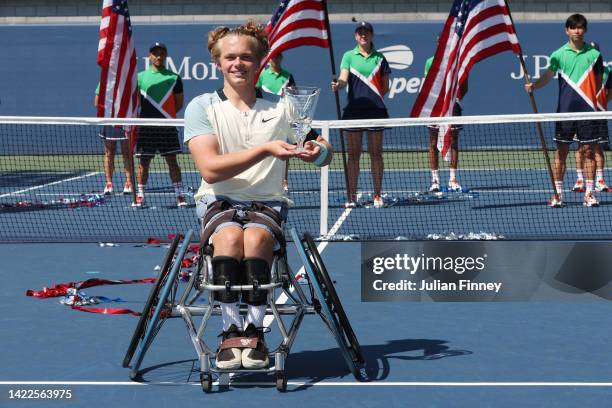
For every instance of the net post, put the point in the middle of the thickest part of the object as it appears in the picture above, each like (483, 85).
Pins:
(324, 188)
(132, 146)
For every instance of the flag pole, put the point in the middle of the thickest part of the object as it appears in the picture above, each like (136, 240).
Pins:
(337, 97)
(534, 107)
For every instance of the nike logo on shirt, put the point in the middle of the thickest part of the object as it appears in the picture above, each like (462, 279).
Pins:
(263, 120)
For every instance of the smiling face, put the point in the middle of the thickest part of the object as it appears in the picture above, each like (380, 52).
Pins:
(237, 60)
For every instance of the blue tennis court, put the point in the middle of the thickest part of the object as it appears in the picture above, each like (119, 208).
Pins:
(483, 354)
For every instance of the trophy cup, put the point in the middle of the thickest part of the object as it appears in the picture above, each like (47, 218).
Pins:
(301, 102)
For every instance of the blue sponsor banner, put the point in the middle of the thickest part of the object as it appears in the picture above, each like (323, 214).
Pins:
(50, 70)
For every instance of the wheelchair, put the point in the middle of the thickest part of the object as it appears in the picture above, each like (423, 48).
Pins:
(313, 294)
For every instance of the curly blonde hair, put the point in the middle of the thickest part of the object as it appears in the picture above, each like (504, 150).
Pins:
(255, 32)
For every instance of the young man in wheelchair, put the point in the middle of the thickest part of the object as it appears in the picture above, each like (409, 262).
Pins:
(239, 142)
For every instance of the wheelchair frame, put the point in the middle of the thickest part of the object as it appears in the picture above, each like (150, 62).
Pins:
(319, 298)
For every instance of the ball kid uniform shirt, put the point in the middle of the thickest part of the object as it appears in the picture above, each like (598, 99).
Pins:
(274, 82)
(365, 97)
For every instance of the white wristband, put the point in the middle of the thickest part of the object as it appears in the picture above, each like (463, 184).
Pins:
(323, 153)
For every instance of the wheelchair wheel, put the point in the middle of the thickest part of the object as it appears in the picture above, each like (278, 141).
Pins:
(281, 381)
(329, 307)
(162, 309)
(151, 302)
(206, 382)
(332, 297)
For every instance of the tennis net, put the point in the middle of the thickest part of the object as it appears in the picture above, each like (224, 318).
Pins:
(52, 183)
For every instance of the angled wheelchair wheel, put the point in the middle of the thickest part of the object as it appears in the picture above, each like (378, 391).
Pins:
(331, 310)
(152, 300)
(162, 308)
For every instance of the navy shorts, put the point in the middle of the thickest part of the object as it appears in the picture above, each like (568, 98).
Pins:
(457, 111)
(604, 136)
(109, 132)
(157, 139)
(581, 131)
(350, 114)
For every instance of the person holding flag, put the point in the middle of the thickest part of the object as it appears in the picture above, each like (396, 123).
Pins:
(366, 72)
(117, 91)
(580, 66)
(161, 96)
(473, 31)
(603, 96)
(453, 184)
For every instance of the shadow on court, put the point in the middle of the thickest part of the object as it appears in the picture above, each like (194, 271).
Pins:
(314, 366)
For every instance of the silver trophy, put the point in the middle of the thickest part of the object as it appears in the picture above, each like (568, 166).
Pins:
(301, 102)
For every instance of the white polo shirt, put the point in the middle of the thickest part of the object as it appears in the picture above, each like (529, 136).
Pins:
(214, 115)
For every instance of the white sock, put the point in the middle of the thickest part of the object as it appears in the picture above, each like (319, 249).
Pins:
(255, 315)
(434, 176)
(599, 173)
(141, 188)
(589, 186)
(230, 313)
(559, 185)
(579, 174)
(453, 174)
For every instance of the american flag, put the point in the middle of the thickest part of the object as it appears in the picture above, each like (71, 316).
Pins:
(296, 23)
(474, 30)
(118, 96)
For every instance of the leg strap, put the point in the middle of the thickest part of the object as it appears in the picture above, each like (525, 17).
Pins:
(257, 272)
(226, 272)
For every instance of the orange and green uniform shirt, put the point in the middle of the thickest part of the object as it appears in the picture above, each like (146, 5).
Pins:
(157, 90)
(365, 81)
(579, 72)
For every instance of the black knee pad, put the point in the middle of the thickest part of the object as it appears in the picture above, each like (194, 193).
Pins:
(226, 271)
(255, 270)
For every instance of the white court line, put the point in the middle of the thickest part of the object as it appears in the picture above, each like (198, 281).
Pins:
(49, 184)
(322, 245)
(339, 383)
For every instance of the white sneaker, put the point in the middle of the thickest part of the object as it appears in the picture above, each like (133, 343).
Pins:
(127, 188)
(181, 202)
(590, 200)
(579, 186)
(435, 187)
(453, 185)
(229, 358)
(255, 358)
(378, 201)
(555, 203)
(108, 189)
(139, 201)
(352, 202)
(601, 185)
